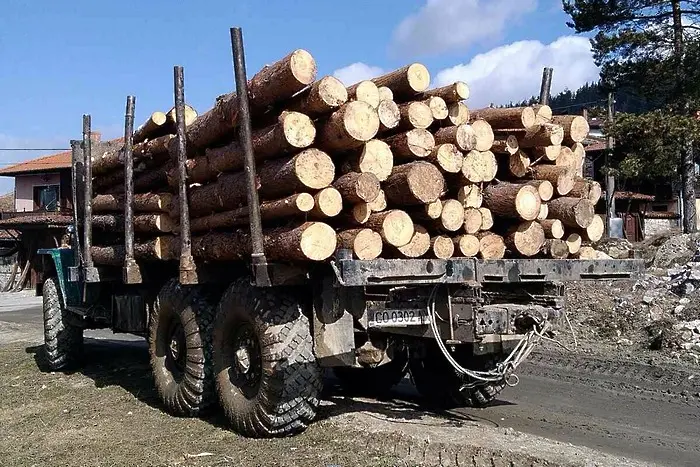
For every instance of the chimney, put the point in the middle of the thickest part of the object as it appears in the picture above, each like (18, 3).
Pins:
(96, 136)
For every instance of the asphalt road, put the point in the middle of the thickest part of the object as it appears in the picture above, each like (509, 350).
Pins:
(628, 409)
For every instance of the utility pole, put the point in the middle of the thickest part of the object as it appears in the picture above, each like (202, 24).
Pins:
(546, 87)
(609, 177)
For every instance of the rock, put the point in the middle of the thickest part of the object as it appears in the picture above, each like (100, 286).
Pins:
(684, 301)
(624, 342)
(678, 249)
(689, 288)
(678, 309)
(616, 248)
(648, 299)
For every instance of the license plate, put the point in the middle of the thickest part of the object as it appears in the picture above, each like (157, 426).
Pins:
(394, 318)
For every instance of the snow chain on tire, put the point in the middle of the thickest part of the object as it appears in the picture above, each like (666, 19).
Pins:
(63, 342)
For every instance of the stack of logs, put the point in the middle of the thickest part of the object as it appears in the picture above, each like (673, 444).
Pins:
(386, 168)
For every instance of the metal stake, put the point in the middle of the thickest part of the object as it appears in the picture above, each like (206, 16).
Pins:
(90, 273)
(546, 87)
(131, 272)
(77, 180)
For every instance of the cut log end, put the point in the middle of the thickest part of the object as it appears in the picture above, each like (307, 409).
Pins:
(448, 158)
(433, 210)
(451, 216)
(438, 107)
(414, 183)
(442, 247)
(314, 169)
(573, 243)
(299, 130)
(375, 158)
(483, 134)
(458, 114)
(389, 114)
(365, 244)
(556, 248)
(553, 228)
(385, 94)
(303, 66)
(470, 196)
(318, 241)
(418, 77)
(595, 231)
(491, 246)
(347, 128)
(573, 212)
(357, 187)
(419, 244)
(526, 239)
(327, 203)
(365, 91)
(473, 220)
(395, 226)
(379, 203)
(486, 218)
(466, 245)
(415, 115)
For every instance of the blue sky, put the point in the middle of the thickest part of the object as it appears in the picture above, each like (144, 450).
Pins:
(62, 59)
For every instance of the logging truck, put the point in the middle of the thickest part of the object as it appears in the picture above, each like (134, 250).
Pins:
(379, 230)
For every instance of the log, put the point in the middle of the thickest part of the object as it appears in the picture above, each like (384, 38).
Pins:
(366, 244)
(311, 241)
(544, 188)
(374, 157)
(486, 218)
(509, 145)
(311, 169)
(584, 188)
(413, 184)
(171, 123)
(356, 187)
(568, 158)
(461, 136)
(587, 252)
(150, 127)
(438, 107)
(579, 151)
(143, 223)
(573, 212)
(418, 246)
(518, 164)
(544, 212)
(470, 196)
(395, 226)
(447, 158)
(526, 239)
(226, 193)
(553, 228)
(545, 134)
(573, 243)
(594, 232)
(451, 216)
(358, 215)
(491, 246)
(555, 248)
(483, 134)
(293, 206)
(427, 212)
(379, 203)
(466, 246)
(549, 153)
(451, 94)
(327, 203)
(513, 201)
(473, 220)
(514, 117)
(414, 115)
(457, 114)
(441, 247)
(364, 91)
(413, 144)
(157, 249)
(348, 127)
(269, 86)
(575, 127)
(561, 178)
(385, 94)
(406, 82)
(389, 115)
(322, 97)
(479, 167)
(143, 202)
(543, 114)
(151, 180)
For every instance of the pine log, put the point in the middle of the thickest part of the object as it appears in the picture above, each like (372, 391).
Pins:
(470, 196)
(509, 145)
(457, 114)
(385, 94)
(356, 187)
(544, 212)
(491, 246)
(513, 117)
(366, 244)
(479, 167)
(544, 188)
(322, 97)
(364, 91)
(518, 164)
(526, 239)
(414, 183)
(555, 248)
(379, 203)
(395, 226)
(311, 169)
(441, 247)
(143, 223)
(573, 243)
(486, 218)
(594, 232)
(575, 127)
(156, 249)
(438, 107)
(292, 206)
(153, 179)
(568, 158)
(348, 127)
(428, 212)
(406, 82)
(513, 201)
(584, 188)
(573, 212)
(413, 144)
(473, 220)
(561, 178)
(461, 136)
(143, 202)
(171, 123)
(374, 157)
(358, 215)
(543, 114)
(451, 94)
(271, 85)
(109, 160)
(418, 246)
(150, 127)
(579, 151)
(483, 134)
(311, 241)
(414, 115)
(545, 134)
(466, 246)
(327, 203)
(226, 193)
(553, 228)
(447, 158)
(451, 216)
(389, 115)
(549, 153)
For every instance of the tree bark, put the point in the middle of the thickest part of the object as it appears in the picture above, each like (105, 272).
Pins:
(413, 144)
(348, 127)
(553, 228)
(327, 203)
(157, 249)
(364, 91)
(143, 202)
(545, 134)
(508, 145)
(438, 107)
(150, 127)
(441, 247)
(513, 201)
(366, 244)
(549, 153)
(562, 178)
(447, 158)
(588, 189)
(451, 94)
(414, 115)
(389, 115)
(491, 246)
(472, 220)
(374, 157)
(322, 97)
(515, 117)
(518, 164)
(143, 223)
(555, 248)
(356, 187)
(575, 127)
(427, 213)
(395, 226)
(526, 239)
(226, 193)
(483, 134)
(573, 212)
(406, 82)
(462, 136)
(417, 247)
(414, 183)
(470, 196)
(466, 246)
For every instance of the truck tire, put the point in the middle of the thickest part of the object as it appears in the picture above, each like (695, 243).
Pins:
(63, 342)
(440, 384)
(374, 381)
(267, 377)
(180, 349)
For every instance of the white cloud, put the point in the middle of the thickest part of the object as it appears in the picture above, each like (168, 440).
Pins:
(513, 72)
(357, 72)
(444, 25)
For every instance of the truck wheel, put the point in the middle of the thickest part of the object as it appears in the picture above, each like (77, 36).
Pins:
(440, 385)
(180, 349)
(63, 342)
(267, 377)
(374, 381)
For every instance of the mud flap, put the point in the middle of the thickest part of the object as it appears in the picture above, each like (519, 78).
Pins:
(333, 328)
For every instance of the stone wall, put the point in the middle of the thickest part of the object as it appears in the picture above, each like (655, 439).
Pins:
(654, 227)
(6, 267)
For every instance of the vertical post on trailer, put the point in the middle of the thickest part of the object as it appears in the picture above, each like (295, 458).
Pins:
(188, 270)
(131, 271)
(77, 180)
(546, 87)
(261, 274)
(609, 178)
(89, 272)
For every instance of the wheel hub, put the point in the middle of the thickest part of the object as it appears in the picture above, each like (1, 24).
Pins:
(176, 354)
(246, 366)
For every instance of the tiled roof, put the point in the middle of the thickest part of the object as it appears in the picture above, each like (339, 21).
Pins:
(633, 196)
(62, 160)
